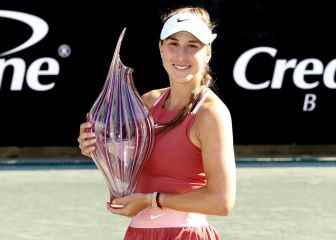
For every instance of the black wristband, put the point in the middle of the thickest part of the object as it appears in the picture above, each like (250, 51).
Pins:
(157, 199)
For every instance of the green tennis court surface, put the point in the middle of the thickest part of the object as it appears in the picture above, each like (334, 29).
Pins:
(279, 201)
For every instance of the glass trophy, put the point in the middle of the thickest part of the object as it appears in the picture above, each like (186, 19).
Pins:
(123, 128)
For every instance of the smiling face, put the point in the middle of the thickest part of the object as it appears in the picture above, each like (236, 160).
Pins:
(184, 57)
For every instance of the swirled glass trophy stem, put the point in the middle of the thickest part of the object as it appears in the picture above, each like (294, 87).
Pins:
(123, 127)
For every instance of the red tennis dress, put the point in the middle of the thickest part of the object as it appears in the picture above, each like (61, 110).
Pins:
(175, 166)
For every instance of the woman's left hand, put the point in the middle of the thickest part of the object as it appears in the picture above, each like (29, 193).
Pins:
(132, 204)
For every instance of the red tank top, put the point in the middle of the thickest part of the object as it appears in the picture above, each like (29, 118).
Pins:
(175, 165)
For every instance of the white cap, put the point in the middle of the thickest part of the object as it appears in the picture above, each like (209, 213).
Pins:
(188, 22)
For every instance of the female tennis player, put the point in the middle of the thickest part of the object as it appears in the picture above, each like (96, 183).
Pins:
(191, 172)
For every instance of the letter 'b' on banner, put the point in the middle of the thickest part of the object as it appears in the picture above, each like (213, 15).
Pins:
(309, 102)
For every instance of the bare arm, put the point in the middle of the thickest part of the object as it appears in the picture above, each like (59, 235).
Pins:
(218, 196)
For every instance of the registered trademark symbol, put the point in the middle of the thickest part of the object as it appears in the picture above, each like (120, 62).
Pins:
(64, 51)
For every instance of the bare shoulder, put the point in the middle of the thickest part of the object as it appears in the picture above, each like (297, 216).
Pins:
(213, 116)
(213, 106)
(150, 97)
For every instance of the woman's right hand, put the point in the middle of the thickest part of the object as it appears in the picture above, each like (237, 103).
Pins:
(86, 139)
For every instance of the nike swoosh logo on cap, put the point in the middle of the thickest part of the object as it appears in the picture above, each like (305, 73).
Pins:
(182, 20)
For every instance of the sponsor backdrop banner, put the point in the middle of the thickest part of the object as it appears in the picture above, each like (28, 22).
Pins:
(274, 66)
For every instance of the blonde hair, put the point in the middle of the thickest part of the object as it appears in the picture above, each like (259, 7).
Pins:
(207, 80)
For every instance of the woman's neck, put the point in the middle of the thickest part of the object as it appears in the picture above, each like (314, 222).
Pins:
(180, 95)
